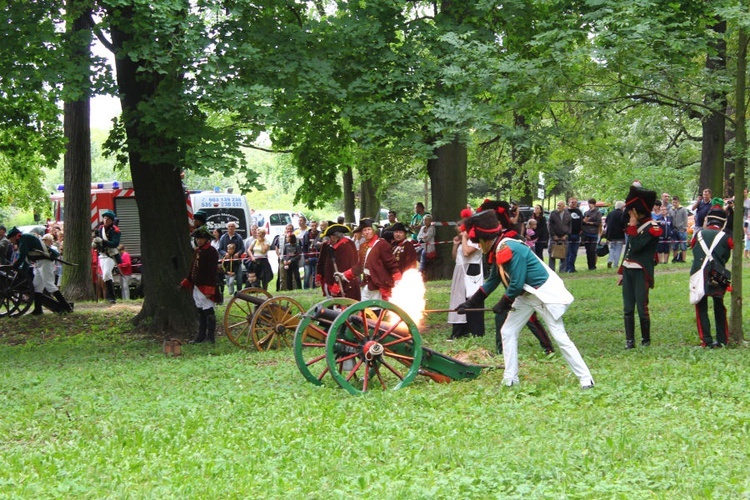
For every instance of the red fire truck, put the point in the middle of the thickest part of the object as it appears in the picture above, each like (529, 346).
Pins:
(118, 197)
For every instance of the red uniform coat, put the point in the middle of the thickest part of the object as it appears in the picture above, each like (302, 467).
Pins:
(405, 254)
(203, 270)
(345, 254)
(378, 265)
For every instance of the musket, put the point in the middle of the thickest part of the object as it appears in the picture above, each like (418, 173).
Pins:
(476, 309)
(336, 269)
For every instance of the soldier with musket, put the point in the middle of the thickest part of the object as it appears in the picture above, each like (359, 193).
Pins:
(337, 252)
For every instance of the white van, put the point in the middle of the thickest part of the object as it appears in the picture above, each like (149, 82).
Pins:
(221, 208)
(275, 221)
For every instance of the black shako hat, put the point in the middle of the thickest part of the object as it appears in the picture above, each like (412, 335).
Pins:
(642, 200)
(483, 226)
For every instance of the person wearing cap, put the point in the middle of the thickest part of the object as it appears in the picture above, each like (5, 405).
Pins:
(703, 242)
(199, 219)
(337, 252)
(403, 248)
(502, 213)
(44, 280)
(532, 287)
(637, 268)
(6, 246)
(201, 281)
(376, 263)
(36, 258)
(106, 242)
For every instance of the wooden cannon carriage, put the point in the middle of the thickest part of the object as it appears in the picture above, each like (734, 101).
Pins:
(16, 292)
(361, 345)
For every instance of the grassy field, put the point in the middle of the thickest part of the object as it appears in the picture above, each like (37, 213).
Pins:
(91, 410)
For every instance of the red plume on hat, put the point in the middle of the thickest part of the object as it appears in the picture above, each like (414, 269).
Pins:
(483, 225)
(501, 209)
(465, 214)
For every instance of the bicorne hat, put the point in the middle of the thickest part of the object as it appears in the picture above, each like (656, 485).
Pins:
(642, 200)
(399, 226)
(363, 223)
(335, 229)
(483, 226)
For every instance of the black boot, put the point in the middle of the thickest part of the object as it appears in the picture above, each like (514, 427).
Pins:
(645, 332)
(37, 304)
(201, 328)
(537, 328)
(499, 322)
(210, 325)
(65, 306)
(110, 287)
(629, 331)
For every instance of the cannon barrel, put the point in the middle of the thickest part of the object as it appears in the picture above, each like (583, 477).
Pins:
(251, 298)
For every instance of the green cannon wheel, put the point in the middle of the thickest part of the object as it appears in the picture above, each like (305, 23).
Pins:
(310, 339)
(373, 344)
(273, 322)
(238, 317)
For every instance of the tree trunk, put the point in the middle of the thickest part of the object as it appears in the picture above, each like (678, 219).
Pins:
(349, 204)
(165, 245)
(712, 156)
(447, 173)
(370, 204)
(735, 320)
(77, 280)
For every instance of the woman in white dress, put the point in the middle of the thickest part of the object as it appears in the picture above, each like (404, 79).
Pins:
(467, 278)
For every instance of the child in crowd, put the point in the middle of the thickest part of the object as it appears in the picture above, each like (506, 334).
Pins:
(531, 235)
(230, 263)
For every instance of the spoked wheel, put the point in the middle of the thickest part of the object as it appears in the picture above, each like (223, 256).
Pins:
(373, 344)
(310, 338)
(16, 292)
(274, 321)
(238, 317)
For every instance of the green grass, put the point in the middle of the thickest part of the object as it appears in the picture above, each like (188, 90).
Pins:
(92, 410)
